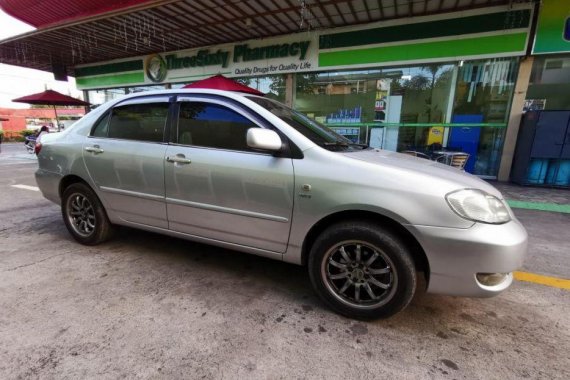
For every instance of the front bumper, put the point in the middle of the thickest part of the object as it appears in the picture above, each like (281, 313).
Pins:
(455, 256)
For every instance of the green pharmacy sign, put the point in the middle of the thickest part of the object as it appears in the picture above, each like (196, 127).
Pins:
(244, 53)
(158, 66)
(553, 28)
(200, 59)
(155, 68)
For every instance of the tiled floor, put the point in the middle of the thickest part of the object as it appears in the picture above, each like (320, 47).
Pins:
(514, 192)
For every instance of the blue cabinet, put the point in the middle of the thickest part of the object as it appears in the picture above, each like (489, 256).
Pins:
(542, 155)
(466, 139)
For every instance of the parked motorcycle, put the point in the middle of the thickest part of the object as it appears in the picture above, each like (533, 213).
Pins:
(30, 144)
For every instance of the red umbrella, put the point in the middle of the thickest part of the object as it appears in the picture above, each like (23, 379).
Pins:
(51, 98)
(220, 82)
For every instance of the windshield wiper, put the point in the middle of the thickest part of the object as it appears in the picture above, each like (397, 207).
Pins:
(343, 144)
(363, 146)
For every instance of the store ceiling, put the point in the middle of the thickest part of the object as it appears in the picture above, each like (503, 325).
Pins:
(136, 27)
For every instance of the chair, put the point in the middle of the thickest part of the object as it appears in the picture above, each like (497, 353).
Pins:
(459, 160)
(454, 159)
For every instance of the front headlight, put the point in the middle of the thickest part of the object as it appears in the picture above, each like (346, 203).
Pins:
(478, 206)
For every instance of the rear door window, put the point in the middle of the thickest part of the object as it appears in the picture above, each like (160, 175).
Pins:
(140, 122)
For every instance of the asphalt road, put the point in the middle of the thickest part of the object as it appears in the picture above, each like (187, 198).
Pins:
(148, 306)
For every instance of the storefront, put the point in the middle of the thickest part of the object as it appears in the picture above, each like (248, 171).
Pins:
(549, 90)
(549, 86)
(419, 84)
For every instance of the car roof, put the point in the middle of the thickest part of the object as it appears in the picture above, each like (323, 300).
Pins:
(206, 91)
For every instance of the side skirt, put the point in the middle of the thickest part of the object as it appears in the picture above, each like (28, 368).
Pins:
(218, 243)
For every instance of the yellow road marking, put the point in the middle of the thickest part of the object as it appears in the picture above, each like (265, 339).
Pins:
(555, 282)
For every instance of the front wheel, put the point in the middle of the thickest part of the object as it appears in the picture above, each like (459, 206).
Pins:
(362, 270)
(84, 215)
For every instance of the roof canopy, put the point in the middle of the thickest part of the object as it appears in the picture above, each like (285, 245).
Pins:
(73, 32)
(57, 12)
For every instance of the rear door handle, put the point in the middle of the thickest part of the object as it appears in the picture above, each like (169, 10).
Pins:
(178, 159)
(94, 149)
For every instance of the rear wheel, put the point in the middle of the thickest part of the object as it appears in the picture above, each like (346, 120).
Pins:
(84, 215)
(362, 270)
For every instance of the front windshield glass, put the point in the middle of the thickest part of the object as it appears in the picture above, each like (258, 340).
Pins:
(314, 131)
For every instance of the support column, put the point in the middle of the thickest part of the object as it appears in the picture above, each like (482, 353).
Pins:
(515, 116)
(289, 89)
(450, 101)
(86, 99)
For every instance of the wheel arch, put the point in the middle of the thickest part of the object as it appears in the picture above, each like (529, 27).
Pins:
(68, 180)
(418, 253)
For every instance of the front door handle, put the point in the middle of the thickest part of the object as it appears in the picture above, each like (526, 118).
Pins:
(94, 149)
(178, 159)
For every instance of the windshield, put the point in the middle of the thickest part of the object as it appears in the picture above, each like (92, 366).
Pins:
(311, 129)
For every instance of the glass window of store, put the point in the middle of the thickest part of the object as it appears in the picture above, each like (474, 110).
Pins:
(273, 86)
(416, 108)
(407, 99)
(483, 96)
(549, 86)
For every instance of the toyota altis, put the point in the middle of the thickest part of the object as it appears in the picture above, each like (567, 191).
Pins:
(250, 174)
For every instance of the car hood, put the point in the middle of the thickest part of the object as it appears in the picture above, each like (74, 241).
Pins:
(423, 166)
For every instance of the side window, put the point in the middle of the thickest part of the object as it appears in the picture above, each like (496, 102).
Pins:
(102, 127)
(213, 126)
(141, 122)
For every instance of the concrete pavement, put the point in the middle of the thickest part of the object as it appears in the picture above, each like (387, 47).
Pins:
(149, 306)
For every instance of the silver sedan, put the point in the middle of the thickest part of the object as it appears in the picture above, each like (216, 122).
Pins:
(250, 174)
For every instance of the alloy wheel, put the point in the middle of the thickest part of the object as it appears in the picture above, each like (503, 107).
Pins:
(81, 214)
(359, 274)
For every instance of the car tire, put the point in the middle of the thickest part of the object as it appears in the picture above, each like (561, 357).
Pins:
(85, 216)
(362, 270)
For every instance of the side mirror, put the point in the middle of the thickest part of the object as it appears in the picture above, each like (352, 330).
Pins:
(263, 139)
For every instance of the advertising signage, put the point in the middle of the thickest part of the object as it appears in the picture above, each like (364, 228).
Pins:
(278, 56)
(553, 27)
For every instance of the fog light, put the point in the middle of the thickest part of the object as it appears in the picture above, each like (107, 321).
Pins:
(491, 279)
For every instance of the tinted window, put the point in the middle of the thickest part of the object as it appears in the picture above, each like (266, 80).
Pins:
(142, 122)
(212, 125)
(102, 127)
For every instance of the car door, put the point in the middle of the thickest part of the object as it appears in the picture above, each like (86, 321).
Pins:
(219, 188)
(124, 156)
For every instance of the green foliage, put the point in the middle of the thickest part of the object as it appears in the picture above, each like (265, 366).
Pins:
(306, 83)
(27, 132)
(244, 81)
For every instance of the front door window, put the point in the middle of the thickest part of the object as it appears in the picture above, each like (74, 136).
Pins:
(212, 126)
